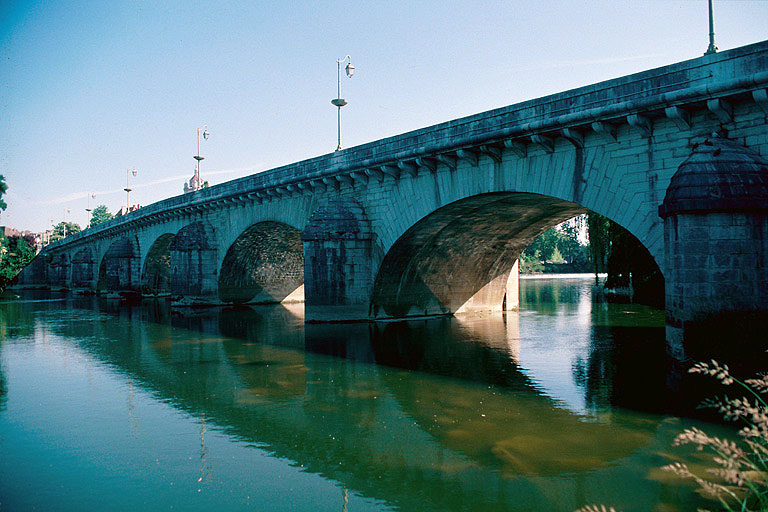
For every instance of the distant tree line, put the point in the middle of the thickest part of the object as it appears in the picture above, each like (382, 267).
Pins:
(15, 251)
(559, 250)
(606, 248)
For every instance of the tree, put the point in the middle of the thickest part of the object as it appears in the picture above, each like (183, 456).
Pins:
(627, 262)
(557, 246)
(3, 189)
(15, 253)
(100, 214)
(63, 229)
(598, 229)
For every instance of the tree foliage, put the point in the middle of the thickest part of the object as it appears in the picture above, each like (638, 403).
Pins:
(15, 253)
(557, 246)
(3, 189)
(628, 263)
(100, 214)
(63, 229)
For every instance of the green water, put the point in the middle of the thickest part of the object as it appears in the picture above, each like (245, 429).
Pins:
(106, 405)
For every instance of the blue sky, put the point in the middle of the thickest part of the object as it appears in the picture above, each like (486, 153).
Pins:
(89, 89)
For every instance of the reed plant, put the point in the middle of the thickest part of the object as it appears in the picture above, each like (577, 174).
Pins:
(737, 476)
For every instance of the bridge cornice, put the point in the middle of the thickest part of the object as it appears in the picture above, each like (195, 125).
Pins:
(713, 82)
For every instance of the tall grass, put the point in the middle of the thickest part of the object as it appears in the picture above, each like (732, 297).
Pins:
(737, 477)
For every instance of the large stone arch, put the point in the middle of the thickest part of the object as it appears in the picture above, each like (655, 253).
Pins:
(84, 268)
(593, 176)
(459, 257)
(264, 264)
(194, 261)
(156, 271)
(119, 268)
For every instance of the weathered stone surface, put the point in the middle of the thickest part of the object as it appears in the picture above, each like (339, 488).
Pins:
(265, 264)
(83, 269)
(716, 240)
(194, 261)
(340, 262)
(119, 269)
(720, 175)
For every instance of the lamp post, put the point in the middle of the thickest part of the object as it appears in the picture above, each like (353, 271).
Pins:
(711, 48)
(89, 209)
(128, 189)
(339, 102)
(198, 184)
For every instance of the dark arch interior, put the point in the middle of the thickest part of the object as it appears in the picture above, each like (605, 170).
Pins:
(459, 257)
(119, 266)
(265, 264)
(462, 253)
(156, 275)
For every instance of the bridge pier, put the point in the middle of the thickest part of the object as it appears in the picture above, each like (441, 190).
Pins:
(716, 238)
(340, 263)
(193, 265)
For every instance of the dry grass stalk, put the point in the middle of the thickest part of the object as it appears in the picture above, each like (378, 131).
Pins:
(596, 508)
(740, 468)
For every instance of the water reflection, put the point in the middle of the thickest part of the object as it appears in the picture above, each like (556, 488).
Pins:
(444, 414)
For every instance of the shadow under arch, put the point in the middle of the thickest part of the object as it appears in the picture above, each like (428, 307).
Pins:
(459, 257)
(264, 265)
(119, 268)
(463, 248)
(156, 273)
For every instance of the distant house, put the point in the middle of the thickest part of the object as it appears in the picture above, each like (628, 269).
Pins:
(35, 239)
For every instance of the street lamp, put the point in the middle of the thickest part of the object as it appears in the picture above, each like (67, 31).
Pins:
(128, 189)
(339, 102)
(197, 185)
(89, 209)
(711, 48)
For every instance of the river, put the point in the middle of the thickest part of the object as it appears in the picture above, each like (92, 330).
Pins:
(110, 405)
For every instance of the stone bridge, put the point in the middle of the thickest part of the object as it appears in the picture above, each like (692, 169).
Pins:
(432, 221)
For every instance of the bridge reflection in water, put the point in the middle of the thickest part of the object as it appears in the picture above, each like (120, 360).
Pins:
(442, 414)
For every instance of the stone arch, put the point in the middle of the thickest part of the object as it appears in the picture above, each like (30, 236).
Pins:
(83, 268)
(156, 271)
(119, 268)
(264, 264)
(194, 261)
(458, 258)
